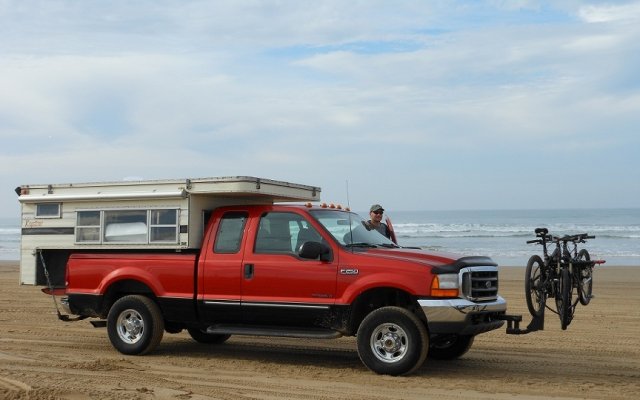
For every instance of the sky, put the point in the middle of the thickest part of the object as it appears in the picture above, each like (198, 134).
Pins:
(416, 105)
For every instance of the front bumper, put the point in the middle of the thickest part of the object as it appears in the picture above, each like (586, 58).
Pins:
(463, 317)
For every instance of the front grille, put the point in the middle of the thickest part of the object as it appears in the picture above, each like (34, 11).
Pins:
(479, 283)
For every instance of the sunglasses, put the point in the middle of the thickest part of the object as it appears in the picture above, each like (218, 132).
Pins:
(378, 212)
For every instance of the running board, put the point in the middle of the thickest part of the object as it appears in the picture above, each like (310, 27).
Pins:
(309, 333)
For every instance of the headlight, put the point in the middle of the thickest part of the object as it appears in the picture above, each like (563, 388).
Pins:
(445, 285)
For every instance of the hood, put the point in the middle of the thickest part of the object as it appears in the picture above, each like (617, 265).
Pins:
(431, 258)
(441, 261)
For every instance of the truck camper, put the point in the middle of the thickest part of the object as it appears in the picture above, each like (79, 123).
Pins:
(153, 215)
(249, 256)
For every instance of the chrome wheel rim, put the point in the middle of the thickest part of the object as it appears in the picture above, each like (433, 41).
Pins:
(389, 343)
(130, 326)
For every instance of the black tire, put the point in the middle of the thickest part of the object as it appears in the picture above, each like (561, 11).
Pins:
(563, 299)
(135, 325)
(450, 348)
(534, 281)
(585, 278)
(392, 341)
(201, 336)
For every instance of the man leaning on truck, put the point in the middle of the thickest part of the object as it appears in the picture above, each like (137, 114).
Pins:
(375, 221)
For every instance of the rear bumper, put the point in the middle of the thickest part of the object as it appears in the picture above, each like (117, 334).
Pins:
(460, 316)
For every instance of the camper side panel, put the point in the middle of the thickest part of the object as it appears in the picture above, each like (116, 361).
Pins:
(64, 227)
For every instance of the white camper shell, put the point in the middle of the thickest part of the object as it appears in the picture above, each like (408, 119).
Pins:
(151, 215)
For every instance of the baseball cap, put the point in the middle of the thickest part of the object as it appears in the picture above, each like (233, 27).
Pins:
(376, 207)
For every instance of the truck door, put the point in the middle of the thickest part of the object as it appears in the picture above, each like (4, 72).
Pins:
(220, 270)
(279, 287)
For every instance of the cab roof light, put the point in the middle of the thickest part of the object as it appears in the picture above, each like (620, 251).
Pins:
(332, 206)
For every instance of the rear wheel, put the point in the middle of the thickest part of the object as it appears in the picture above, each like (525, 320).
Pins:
(201, 336)
(135, 325)
(392, 341)
(534, 286)
(585, 278)
(450, 348)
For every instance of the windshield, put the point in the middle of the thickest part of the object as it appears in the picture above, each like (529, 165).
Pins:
(350, 229)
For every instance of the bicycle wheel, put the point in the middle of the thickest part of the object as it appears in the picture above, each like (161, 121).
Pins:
(534, 281)
(585, 278)
(563, 298)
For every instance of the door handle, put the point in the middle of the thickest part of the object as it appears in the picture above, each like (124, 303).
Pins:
(248, 271)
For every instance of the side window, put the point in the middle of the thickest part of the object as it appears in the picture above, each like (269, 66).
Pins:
(88, 227)
(128, 226)
(125, 226)
(230, 230)
(302, 231)
(163, 226)
(48, 210)
(281, 232)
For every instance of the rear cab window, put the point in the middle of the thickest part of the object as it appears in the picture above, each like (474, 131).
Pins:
(230, 232)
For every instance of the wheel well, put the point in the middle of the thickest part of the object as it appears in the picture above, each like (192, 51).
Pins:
(374, 299)
(122, 288)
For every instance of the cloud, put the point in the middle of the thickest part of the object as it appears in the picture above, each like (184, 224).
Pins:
(610, 13)
(432, 97)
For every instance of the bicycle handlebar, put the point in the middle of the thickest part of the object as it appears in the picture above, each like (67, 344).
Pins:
(579, 238)
(544, 237)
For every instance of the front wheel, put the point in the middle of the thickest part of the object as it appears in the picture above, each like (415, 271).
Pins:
(585, 278)
(534, 282)
(392, 341)
(135, 325)
(450, 348)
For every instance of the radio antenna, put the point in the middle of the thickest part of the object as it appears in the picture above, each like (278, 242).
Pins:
(348, 202)
(349, 213)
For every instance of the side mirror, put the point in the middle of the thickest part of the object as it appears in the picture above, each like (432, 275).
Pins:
(314, 250)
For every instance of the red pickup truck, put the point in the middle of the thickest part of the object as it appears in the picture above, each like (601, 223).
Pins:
(296, 271)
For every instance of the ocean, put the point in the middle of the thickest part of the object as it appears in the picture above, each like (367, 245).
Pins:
(500, 234)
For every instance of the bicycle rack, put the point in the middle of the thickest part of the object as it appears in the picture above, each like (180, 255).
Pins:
(513, 324)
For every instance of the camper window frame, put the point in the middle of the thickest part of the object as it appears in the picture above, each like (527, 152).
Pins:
(151, 225)
(39, 215)
(98, 226)
(148, 241)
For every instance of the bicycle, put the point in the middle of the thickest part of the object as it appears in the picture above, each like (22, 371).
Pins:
(557, 274)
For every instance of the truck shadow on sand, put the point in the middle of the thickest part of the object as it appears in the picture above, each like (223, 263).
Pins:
(289, 353)
(264, 350)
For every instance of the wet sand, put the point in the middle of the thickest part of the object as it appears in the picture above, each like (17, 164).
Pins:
(597, 357)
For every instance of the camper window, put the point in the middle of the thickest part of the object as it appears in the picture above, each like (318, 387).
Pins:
(48, 210)
(88, 227)
(164, 226)
(127, 226)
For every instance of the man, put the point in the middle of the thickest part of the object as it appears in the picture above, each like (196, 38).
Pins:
(375, 221)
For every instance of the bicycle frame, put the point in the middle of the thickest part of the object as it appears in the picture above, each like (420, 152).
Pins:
(557, 275)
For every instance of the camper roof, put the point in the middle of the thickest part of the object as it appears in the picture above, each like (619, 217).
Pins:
(278, 191)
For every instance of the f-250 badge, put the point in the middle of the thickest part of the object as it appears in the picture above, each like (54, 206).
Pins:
(349, 271)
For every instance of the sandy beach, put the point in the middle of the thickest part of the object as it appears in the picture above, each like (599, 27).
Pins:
(597, 357)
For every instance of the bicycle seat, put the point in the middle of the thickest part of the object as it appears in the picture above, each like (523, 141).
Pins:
(541, 231)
